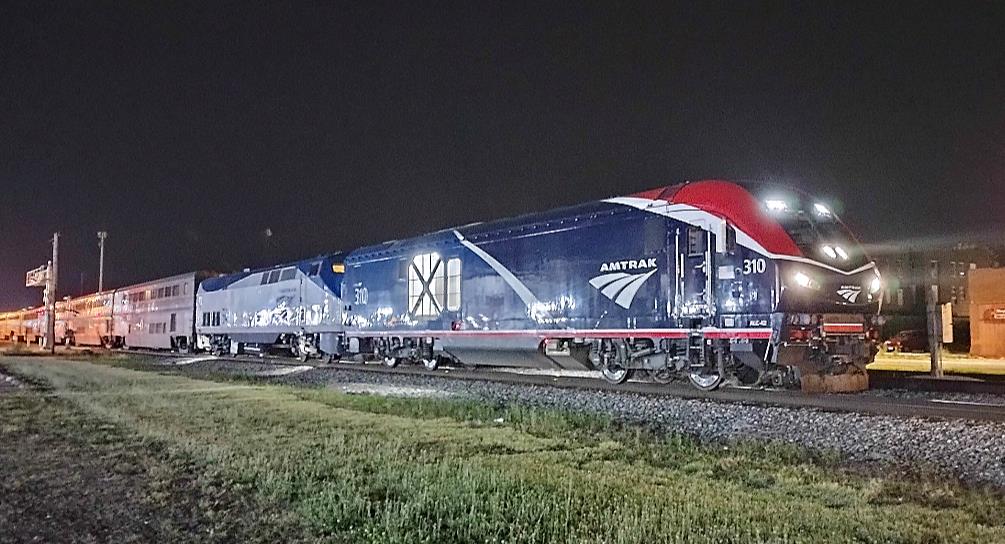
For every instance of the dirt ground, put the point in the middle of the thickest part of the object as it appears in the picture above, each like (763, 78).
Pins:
(67, 477)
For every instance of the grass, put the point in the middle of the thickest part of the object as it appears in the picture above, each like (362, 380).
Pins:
(951, 363)
(70, 477)
(372, 469)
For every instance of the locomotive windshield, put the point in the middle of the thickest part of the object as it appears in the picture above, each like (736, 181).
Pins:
(818, 232)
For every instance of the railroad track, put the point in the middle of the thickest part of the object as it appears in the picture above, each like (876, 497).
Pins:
(933, 407)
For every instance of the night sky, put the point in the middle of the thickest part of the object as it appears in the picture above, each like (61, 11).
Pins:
(190, 131)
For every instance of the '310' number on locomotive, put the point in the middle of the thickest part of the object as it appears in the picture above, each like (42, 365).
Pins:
(754, 266)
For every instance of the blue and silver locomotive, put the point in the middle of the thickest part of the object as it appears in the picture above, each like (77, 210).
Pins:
(294, 306)
(709, 281)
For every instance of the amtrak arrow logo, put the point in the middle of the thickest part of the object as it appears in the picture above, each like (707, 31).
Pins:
(621, 287)
(850, 292)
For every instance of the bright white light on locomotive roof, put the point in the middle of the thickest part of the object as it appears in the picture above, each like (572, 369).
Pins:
(841, 253)
(822, 210)
(829, 251)
(776, 205)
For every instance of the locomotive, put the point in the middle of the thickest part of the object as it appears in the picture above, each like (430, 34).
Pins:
(707, 281)
(712, 282)
(294, 306)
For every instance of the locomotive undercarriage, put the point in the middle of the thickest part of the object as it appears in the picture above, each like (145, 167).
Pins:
(394, 351)
(821, 365)
(705, 363)
(301, 346)
(833, 364)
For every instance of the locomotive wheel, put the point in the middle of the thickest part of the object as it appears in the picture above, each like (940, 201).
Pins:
(296, 350)
(391, 362)
(661, 376)
(748, 376)
(431, 363)
(706, 381)
(615, 375)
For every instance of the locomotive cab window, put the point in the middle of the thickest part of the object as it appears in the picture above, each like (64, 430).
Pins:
(315, 270)
(288, 274)
(695, 242)
(655, 234)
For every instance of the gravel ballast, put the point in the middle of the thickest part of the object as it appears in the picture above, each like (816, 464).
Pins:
(972, 451)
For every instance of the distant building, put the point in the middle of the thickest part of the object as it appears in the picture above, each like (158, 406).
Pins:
(987, 311)
(906, 277)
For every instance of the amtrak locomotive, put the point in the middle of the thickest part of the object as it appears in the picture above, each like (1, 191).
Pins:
(712, 282)
(296, 306)
(707, 281)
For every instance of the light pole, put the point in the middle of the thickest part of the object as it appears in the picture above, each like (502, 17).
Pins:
(101, 260)
(50, 329)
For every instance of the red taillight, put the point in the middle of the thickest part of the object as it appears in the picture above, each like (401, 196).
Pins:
(843, 328)
(799, 335)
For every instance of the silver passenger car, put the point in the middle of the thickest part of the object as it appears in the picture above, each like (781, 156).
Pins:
(86, 320)
(158, 314)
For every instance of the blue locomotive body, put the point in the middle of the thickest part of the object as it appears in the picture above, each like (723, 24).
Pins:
(649, 282)
(600, 268)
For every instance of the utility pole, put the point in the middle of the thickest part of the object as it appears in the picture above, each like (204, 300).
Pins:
(934, 321)
(50, 329)
(101, 260)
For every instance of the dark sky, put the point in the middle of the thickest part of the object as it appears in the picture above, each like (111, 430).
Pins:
(187, 130)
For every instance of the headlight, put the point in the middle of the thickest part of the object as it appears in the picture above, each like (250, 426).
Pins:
(834, 252)
(776, 205)
(805, 281)
(876, 285)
